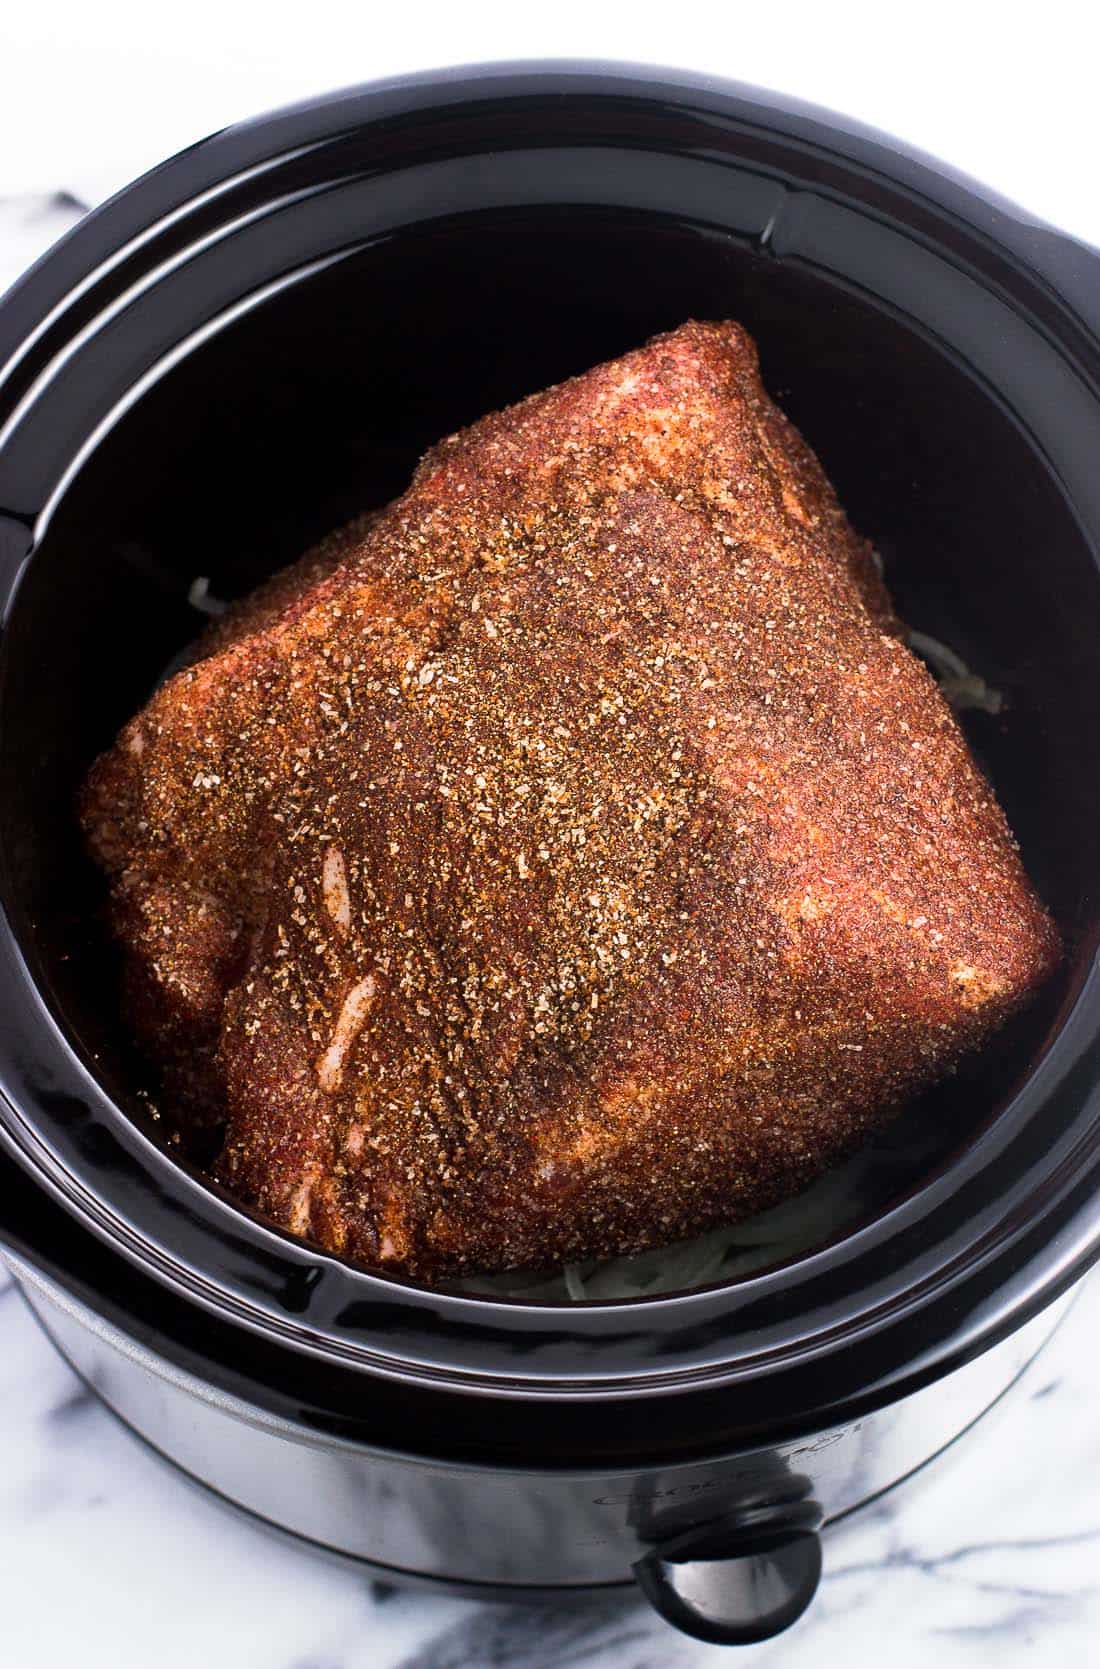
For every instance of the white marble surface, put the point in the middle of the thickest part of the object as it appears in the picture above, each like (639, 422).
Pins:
(110, 1561)
(93, 94)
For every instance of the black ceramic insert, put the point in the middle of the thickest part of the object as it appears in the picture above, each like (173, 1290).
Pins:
(258, 340)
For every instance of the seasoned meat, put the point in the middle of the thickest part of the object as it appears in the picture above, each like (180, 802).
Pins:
(569, 856)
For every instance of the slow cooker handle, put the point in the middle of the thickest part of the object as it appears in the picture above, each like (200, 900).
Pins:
(739, 1580)
(1070, 267)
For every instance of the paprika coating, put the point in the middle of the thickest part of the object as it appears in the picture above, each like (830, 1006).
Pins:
(569, 856)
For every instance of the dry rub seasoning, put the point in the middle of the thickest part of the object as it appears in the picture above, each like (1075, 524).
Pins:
(569, 856)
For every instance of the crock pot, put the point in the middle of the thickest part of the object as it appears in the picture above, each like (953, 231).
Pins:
(254, 342)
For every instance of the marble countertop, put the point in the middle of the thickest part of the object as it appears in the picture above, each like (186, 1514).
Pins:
(110, 1561)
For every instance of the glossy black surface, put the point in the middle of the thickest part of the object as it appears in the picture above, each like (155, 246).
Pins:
(256, 340)
(492, 1518)
(737, 1582)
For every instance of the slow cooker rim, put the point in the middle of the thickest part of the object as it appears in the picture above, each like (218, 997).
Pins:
(816, 1423)
(466, 86)
(90, 248)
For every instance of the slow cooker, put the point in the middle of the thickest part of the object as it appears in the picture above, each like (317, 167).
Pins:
(251, 344)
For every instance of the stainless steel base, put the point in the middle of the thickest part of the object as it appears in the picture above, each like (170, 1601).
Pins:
(478, 1530)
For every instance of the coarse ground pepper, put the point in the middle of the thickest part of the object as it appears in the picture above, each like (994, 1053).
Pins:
(568, 856)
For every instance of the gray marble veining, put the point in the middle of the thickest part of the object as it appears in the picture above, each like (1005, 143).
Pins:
(110, 1560)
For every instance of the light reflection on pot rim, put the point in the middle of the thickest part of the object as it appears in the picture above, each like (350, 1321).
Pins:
(243, 1269)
